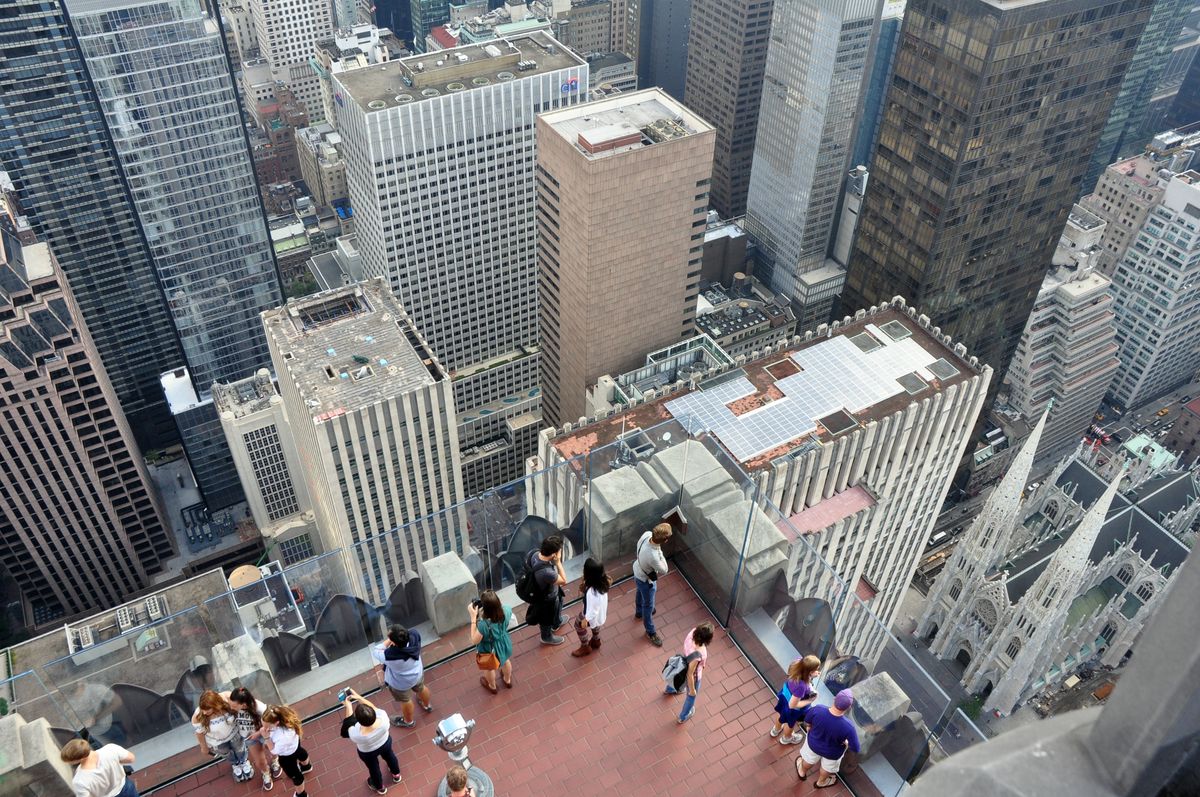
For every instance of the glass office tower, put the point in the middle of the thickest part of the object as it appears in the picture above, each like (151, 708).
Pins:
(162, 79)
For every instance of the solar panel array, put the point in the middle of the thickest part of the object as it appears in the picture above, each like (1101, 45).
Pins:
(836, 375)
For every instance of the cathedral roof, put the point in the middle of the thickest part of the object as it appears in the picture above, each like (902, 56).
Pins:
(1124, 521)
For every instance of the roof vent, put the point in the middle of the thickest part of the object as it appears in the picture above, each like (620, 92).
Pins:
(505, 75)
(429, 92)
(455, 87)
(402, 98)
(480, 81)
(376, 105)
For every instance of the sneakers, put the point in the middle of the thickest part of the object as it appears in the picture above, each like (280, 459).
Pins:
(305, 768)
(397, 778)
(268, 784)
(794, 738)
(276, 770)
(562, 620)
(553, 639)
(776, 731)
(427, 709)
(686, 717)
(380, 790)
(638, 615)
(400, 723)
(655, 640)
(243, 772)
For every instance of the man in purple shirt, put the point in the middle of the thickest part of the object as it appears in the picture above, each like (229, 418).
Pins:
(830, 735)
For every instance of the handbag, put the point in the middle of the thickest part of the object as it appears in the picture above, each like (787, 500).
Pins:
(487, 661)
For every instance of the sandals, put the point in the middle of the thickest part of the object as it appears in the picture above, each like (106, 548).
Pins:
(820, 785)
(483, 682)
(508, 683)
(800, 769)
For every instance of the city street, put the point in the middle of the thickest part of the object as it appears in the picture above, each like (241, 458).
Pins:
(1143, 418)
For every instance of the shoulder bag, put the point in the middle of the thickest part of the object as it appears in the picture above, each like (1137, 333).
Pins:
(488, 661)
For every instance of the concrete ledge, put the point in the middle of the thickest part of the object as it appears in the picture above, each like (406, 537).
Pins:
(448, 586)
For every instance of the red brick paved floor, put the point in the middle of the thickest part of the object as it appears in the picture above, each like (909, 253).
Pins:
(580, 727)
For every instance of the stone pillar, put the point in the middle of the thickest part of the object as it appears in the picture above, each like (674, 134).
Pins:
(29, 762)
(448, 586)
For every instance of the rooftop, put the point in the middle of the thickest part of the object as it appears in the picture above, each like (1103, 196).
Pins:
(350, 347)
(808, 394)
(246, 396)
(615, 695)
(624, 122)
(420, 78)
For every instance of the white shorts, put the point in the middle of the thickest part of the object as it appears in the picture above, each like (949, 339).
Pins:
(830, 765)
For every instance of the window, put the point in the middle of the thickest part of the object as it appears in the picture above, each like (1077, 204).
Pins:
(1145, 591)
(1125, 574)
(955, 590)
(1014, 647)
(1108, 632)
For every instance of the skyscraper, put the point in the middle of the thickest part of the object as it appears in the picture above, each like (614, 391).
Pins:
(727, 53)
(424, 16)
(817, 67)
(658, 41)
(622, 237)
(160, 73)
(80, 527)
(287, 33)
(1125, 129)
(1157, 291)
(440, 163)
(371, 412)
(1068, 352)
(73, 192)
(880, 78)
(992, 114)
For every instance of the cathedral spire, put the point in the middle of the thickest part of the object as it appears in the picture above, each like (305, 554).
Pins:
(1048, 600)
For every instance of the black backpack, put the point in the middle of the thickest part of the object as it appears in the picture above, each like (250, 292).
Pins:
(526, 586)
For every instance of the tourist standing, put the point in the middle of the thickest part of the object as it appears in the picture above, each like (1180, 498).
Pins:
(403, 671)
(249, 719)
(369, 729)
(457, 783)
(216, 727)
(794, 698)
(489, 632)
(541, 587)
(282, 729)
(830, 735)
(98, 773)
(649, 565)
(695, 652)
(594, 586)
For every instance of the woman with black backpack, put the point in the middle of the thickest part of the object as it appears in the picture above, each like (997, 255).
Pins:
(695, 656)
(493, 645)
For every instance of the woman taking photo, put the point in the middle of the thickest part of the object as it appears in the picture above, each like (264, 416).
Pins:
(493, 646)
(369, 729)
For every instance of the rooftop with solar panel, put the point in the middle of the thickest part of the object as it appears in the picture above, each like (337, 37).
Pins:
(813, 390)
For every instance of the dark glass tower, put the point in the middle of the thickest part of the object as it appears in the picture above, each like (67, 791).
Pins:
(1125, 132)
(993, 112)
(55, 148)
(726, 58)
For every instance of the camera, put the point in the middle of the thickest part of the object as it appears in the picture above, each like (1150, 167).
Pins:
(342, 695)
(477, 603)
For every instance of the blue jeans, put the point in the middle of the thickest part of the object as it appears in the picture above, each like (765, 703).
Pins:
(689, 701)
(128, 790)
(645, 603)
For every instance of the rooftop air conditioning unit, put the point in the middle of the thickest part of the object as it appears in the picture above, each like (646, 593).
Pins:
(86, 637)
(125, 618)
(156, 607)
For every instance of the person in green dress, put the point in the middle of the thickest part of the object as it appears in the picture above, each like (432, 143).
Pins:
(489, 631)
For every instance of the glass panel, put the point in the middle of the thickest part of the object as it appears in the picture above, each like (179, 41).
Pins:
(27, 695)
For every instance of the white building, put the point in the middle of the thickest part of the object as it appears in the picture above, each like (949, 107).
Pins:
(852, 434)
(1068, 352)
(1068, 575)
(372, 415)
(287, 31)
(439, 152)
(255, 426)
(1157, 290)
(817, 65)
(352, 48)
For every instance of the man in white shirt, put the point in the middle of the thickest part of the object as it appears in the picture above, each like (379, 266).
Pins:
(648, 565)
(98, 773)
